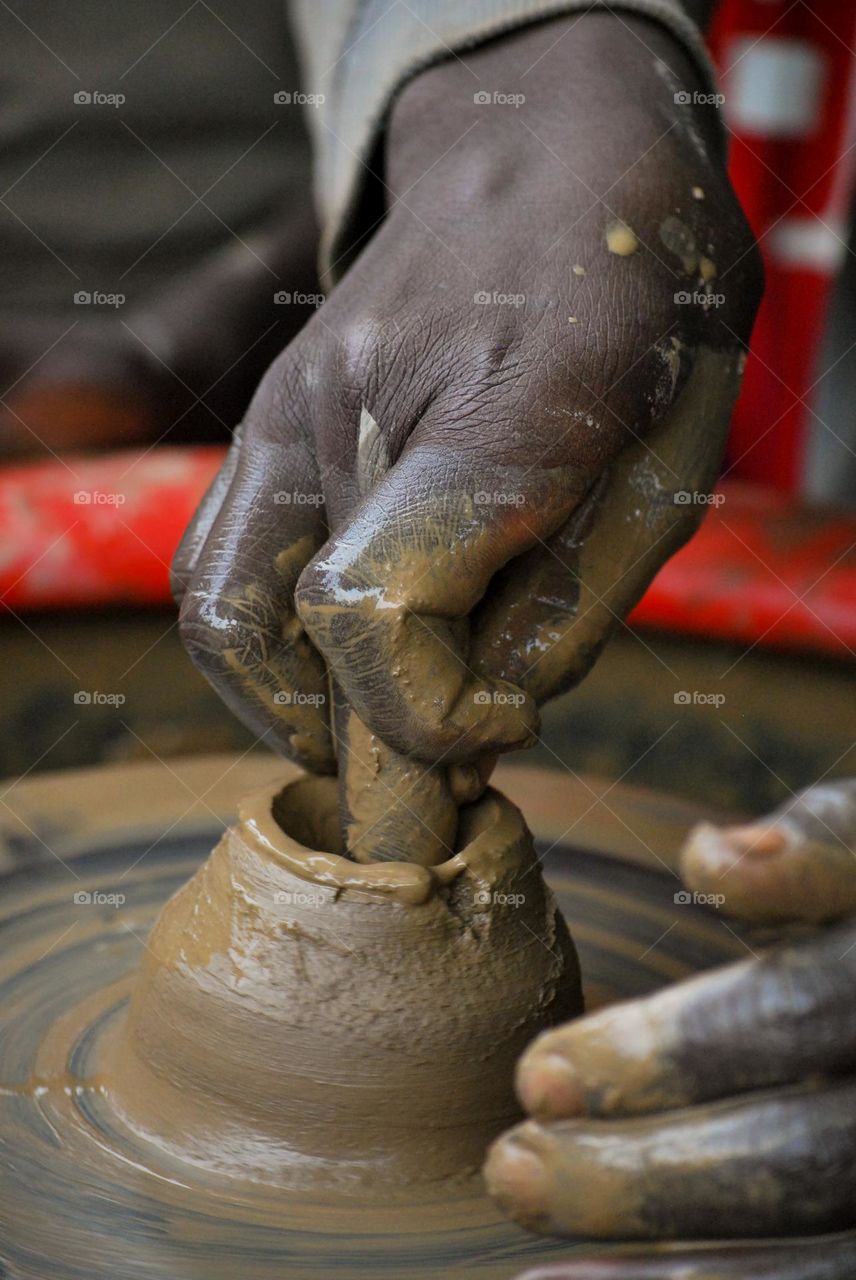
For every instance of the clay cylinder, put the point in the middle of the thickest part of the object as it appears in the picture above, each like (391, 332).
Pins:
(306, 1021)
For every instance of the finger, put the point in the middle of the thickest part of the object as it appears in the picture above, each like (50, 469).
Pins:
(758, 1023)
(797, 864)
(820, 1258)
(387, 600)
(195, 535)
(392, 808)
(776, 1164)
(550, 614)
(237, 617)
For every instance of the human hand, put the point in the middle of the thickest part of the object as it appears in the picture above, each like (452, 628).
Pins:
(455, 481)
(722, 1108)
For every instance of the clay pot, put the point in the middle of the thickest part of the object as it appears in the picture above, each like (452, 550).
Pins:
(303, 1020)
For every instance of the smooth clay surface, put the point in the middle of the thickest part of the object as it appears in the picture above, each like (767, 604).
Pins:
(308, 1022)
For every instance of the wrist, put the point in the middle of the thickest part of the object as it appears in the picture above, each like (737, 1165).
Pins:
(583, 77)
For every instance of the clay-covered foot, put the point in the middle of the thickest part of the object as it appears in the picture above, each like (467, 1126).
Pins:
(722, 1108)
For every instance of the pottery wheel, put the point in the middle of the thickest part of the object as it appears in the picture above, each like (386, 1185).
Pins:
(82, 1199)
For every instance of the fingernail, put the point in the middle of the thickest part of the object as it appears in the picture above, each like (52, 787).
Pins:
(549, 1087)
(517, 1179)
(758, 839)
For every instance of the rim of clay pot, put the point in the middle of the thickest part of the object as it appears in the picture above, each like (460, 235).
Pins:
(297, 826)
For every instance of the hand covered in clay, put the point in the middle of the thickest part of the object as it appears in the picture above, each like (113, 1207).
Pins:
(463, 472)
(719, 1109)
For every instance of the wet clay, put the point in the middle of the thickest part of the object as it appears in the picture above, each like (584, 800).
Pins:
(305, 1021)
(83, 1194)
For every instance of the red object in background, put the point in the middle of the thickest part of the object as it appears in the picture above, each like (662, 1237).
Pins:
(759, 571)
(88, 531)
(788, 75)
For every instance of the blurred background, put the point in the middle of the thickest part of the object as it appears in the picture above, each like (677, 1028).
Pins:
(153, 167)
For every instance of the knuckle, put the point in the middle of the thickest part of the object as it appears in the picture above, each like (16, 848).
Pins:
(337, 609)
(203, 634)
(198, 636)
(320, 608)
(358, 358)
(228, 636)
(285, 393)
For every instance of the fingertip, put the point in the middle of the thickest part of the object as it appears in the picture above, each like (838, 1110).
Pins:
(548, 1086)
(715, 850)
(755, 839)
(508, 718)
(517, 1178)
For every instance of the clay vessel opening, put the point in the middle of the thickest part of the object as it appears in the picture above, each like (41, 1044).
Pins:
(304, 1021)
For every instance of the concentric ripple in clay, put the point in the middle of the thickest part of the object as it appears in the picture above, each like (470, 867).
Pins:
(305, 1021)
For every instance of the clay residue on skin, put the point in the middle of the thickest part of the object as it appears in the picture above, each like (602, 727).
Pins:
(674, 355)
(397, 598)
(644, 1178)
(394, 808)
(583, 1194)
(706, 269)
(618, 1056)
(303, 1021)
(620, 239)
(278, 667)
(680, 240)
(542, 625)
(796, 864)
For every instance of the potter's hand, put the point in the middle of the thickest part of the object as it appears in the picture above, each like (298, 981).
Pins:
(723, 1107)
(489, 402)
